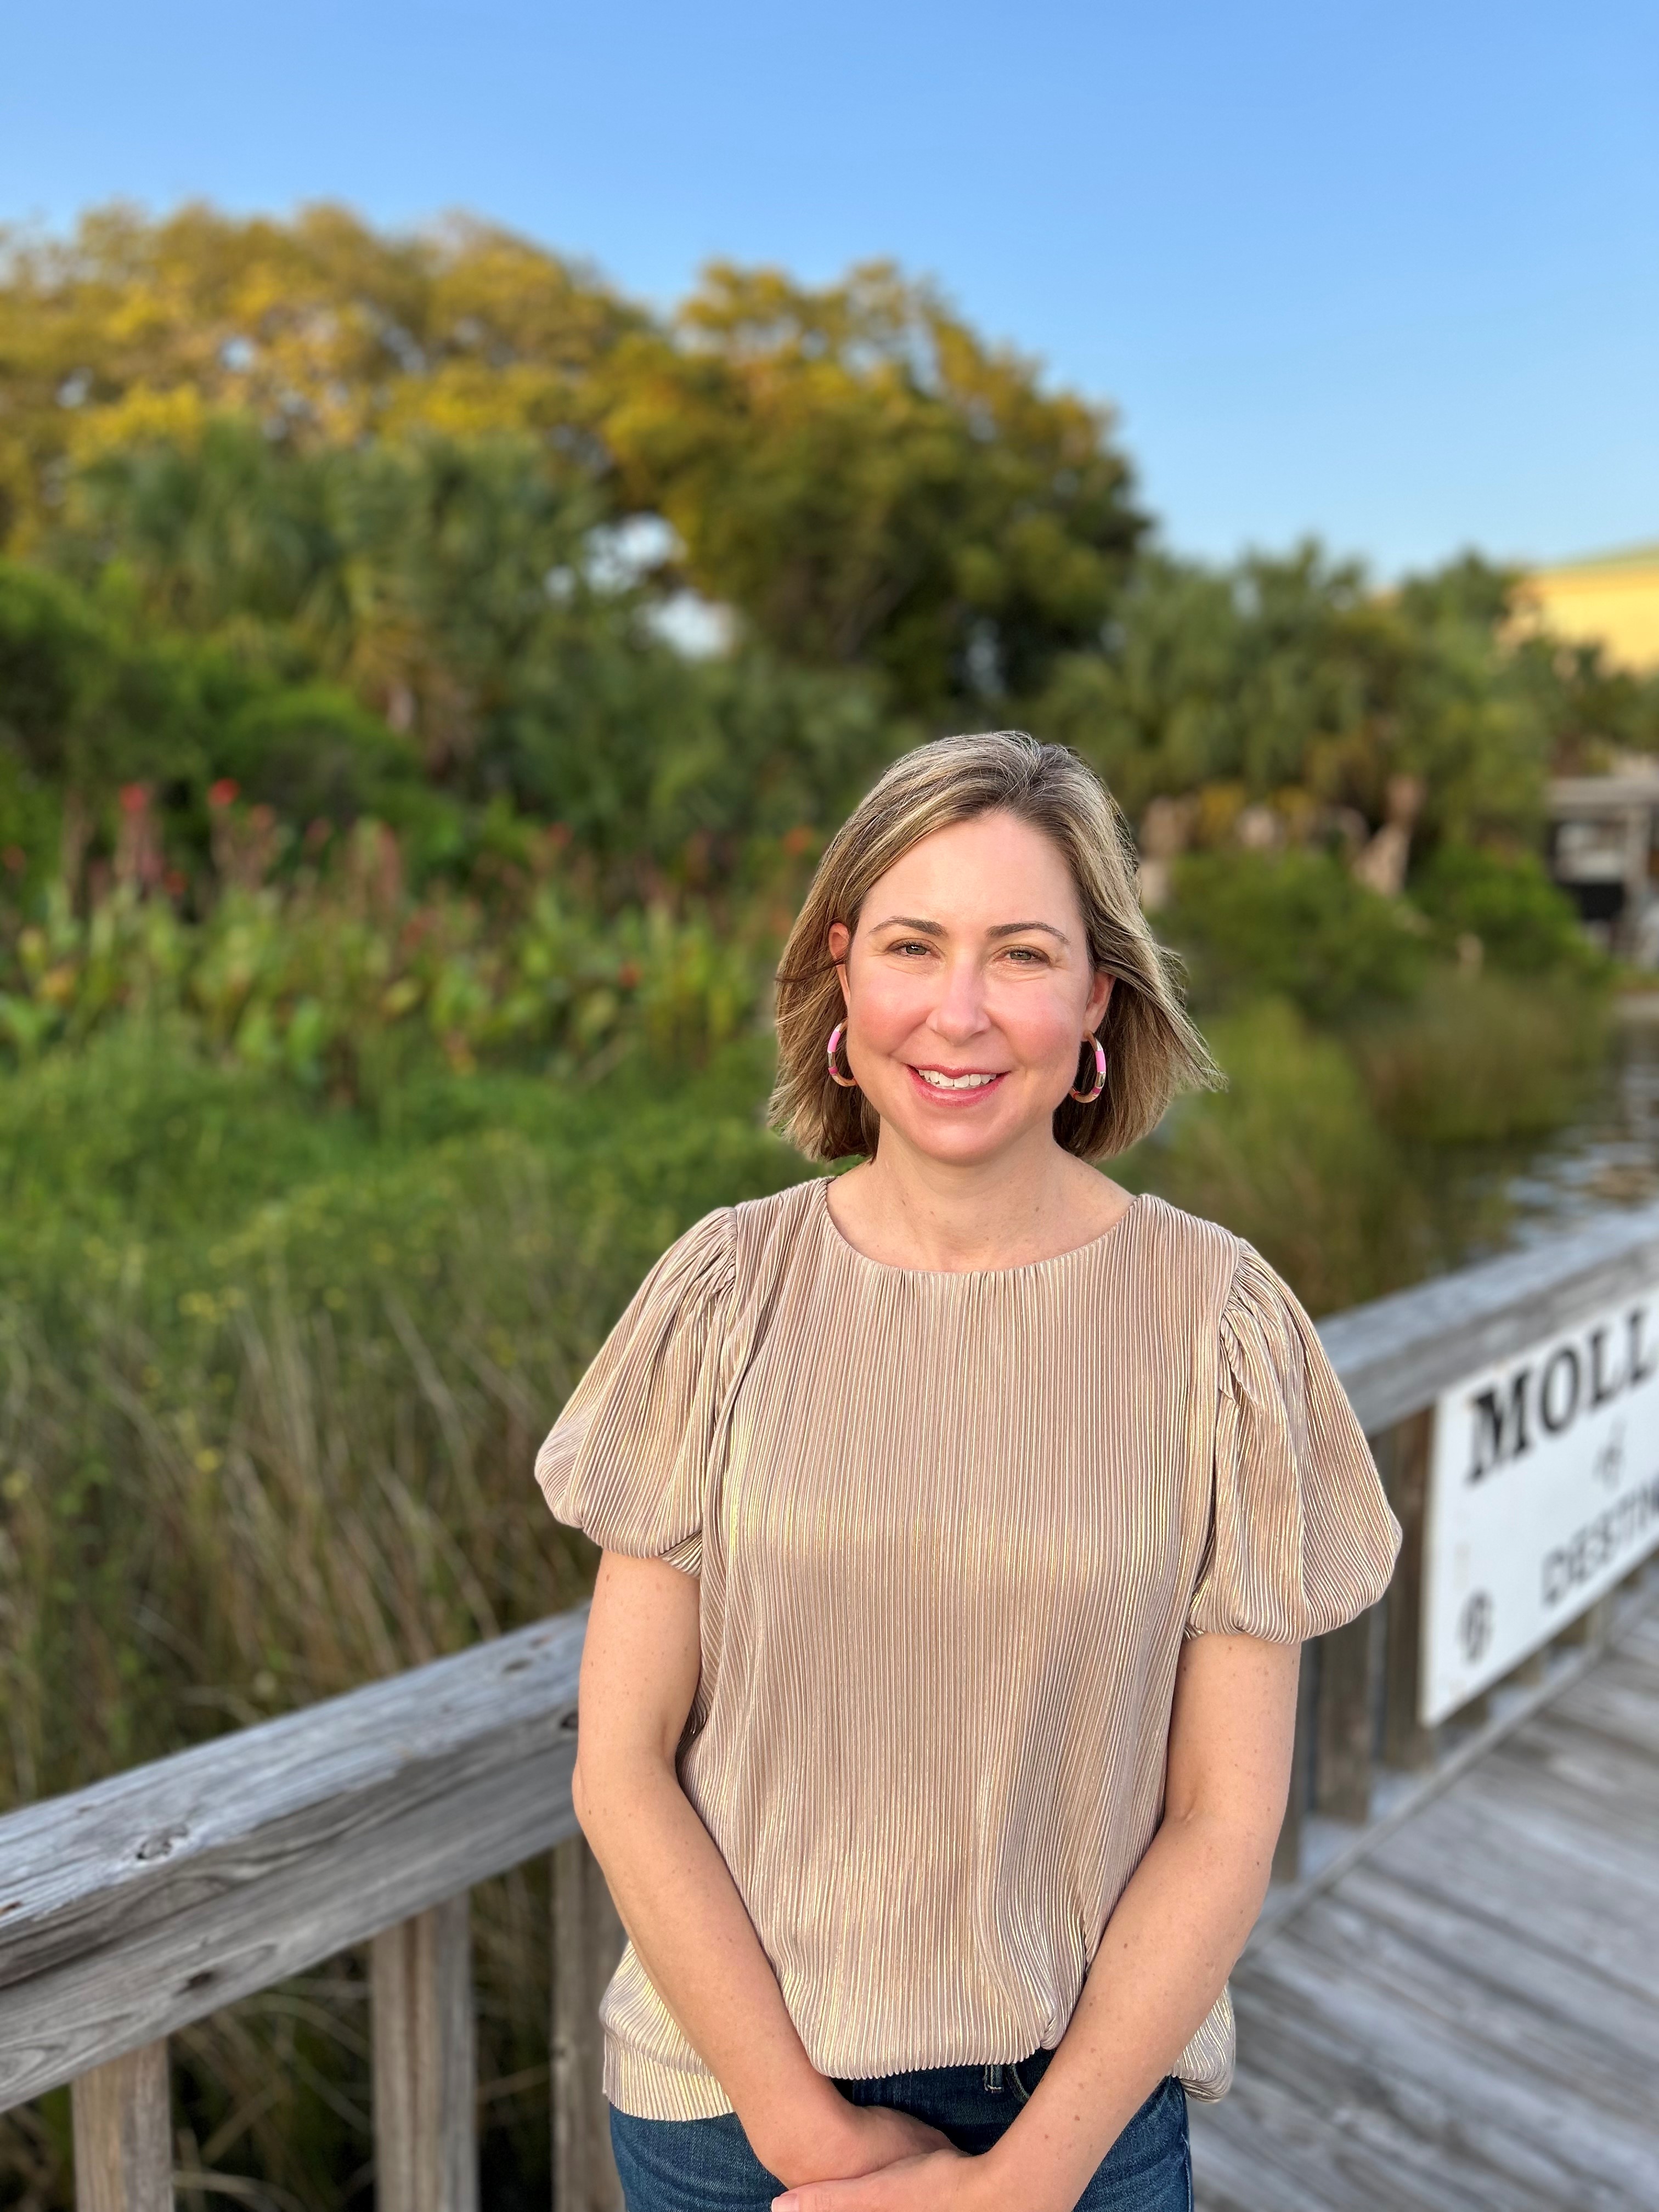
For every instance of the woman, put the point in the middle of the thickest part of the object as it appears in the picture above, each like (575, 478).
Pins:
(962, 1517)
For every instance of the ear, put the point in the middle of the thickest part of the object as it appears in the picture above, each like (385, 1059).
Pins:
(840, 942)
(1094, 1012)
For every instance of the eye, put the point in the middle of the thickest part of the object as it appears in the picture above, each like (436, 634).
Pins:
(910, 944)
(1026, 953)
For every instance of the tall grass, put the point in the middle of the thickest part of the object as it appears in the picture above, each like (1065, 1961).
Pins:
(271, 1387)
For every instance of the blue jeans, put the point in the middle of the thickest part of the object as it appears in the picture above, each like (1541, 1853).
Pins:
(707, 2166)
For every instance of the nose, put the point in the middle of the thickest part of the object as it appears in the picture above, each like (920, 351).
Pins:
(959, 1010)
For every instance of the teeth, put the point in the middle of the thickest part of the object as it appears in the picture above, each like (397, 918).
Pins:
(954, 1082)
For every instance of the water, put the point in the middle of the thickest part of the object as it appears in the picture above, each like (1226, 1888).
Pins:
(1483, 1200)
(1610, 1156)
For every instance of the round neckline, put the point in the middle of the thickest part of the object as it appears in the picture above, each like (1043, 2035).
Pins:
(964, 1274)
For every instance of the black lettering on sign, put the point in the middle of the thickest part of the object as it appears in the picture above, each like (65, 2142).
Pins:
(1573, 1379)
(1500, 1430)
(1601, 1388)
(1639, 1373)
(1558, 1401)
(1474, 1625)
(1626, 1525)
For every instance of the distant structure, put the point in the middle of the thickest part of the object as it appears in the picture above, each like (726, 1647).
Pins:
(1612, 600)
(1604, 830)
(1604, 853)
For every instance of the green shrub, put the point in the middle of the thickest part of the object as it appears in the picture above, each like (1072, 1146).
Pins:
(1290, 1156)
(30, 823)
(1294, 926)
(311, 752)
(1482, 1058)
(341, 980)
(1525, 923)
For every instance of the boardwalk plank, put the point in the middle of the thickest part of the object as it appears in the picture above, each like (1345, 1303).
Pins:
(1528, 2130)
(1559, 1766)
(1351, 2131)
(1510, 2021)
(1468, 2020)
(1616, 1699)
(1569, 1993)
(1463, 1858)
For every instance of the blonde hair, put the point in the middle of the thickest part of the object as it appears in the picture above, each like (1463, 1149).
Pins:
(1152, 1049)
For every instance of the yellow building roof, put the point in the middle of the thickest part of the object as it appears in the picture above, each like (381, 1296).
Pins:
(1611, 599)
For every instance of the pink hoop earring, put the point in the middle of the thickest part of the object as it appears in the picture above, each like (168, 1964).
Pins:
(1088, 1097)
(848, 1082)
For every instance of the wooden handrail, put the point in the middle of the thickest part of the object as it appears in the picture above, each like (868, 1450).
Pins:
(132, 1908)
(129, 1909)
(1396, 1355)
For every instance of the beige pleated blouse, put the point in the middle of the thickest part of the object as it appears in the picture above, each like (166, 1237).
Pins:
(950, 1530)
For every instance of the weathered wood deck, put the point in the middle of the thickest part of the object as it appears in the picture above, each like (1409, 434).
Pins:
(1467, 2019)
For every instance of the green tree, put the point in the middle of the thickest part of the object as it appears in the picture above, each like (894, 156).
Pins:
(321, 328)
(1292, 682)
(870, 483)
(852, 466)
(453, 586)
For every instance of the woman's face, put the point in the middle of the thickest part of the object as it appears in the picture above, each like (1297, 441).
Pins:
(969, 988)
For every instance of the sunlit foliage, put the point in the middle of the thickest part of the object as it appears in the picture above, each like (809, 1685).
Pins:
(852, 467)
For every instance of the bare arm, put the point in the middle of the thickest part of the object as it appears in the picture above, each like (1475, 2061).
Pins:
(675, 1892)
(1169, 1947)
(1181, 1920)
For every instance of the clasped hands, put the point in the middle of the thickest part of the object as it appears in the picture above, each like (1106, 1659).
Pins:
(924, 2172)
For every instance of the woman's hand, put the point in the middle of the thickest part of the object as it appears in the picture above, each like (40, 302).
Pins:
(941, 2179)
(863, 2138)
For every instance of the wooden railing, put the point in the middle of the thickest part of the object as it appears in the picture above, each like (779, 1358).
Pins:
(1359, 1716)
(131, 1909)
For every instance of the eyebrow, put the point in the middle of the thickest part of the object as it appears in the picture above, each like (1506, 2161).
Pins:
(998, 929)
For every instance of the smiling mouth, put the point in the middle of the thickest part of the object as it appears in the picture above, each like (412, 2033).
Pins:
(974, 1079)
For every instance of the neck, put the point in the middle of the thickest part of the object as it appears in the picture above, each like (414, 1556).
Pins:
(1032, 1202)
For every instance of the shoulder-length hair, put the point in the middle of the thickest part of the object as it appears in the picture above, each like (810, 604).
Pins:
(1152, 1049)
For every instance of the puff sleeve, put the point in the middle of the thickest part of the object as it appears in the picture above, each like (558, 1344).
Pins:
(1302, 1538)
(627, 1459)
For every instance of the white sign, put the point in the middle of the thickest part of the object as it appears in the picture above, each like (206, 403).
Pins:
(1543, 1493)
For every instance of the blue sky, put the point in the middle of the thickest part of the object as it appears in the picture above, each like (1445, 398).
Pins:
(1388, 273)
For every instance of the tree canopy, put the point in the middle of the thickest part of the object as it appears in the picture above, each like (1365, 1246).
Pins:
(455, 499)
(852, 467)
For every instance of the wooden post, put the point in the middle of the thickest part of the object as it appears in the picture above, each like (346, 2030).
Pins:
(587, 1941)
(1402, 1455)
(426, 2150)
(1592, 1626)
(1349, 1661)
(1287, 1853)
(124, 2134)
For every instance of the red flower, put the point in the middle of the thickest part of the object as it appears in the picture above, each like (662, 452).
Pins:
(16, 859)
(628, 974)
(134, 797)
(222, 792)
